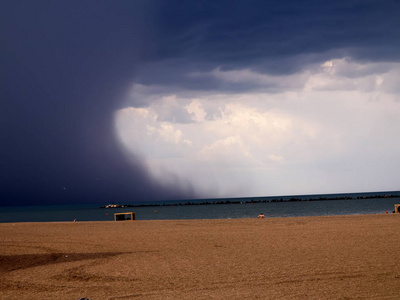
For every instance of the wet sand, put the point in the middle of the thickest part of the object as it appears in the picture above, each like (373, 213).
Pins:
(334, 257)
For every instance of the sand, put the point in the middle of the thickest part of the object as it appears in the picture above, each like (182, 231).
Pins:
(332, 257)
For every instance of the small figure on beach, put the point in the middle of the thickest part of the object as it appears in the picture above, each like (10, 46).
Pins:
(261, 216)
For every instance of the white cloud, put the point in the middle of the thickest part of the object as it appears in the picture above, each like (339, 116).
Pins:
(168, 133)
(196, 110)
(333, 128)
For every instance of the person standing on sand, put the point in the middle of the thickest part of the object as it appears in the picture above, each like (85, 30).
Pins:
(261, 216)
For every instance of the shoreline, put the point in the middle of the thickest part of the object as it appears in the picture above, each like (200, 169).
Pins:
(58, 213)
(202, 219)
(318, 257)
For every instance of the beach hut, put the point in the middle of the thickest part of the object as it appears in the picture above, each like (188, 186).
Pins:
(127, 216)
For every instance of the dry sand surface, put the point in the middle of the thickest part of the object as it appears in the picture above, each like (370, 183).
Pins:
(335, 257)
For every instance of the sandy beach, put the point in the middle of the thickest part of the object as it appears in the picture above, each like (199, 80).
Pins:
(333, 257)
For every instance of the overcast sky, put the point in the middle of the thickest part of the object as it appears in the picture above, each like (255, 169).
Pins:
(127, 101)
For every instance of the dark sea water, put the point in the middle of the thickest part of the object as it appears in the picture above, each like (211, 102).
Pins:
(287, 206)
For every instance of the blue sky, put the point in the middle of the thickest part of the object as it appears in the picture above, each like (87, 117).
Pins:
(149, 100)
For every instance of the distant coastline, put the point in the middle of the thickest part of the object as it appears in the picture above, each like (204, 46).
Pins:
(257, 200)
(217, 208)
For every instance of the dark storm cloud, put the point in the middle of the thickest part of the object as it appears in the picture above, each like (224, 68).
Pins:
(275, 37)
(66, 66)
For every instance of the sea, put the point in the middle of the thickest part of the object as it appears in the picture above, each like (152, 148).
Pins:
(227, 208)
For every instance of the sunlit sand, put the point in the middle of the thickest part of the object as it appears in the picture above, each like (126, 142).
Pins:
(335, 257)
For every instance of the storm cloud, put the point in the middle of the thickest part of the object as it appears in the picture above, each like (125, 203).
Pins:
(150, 100)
